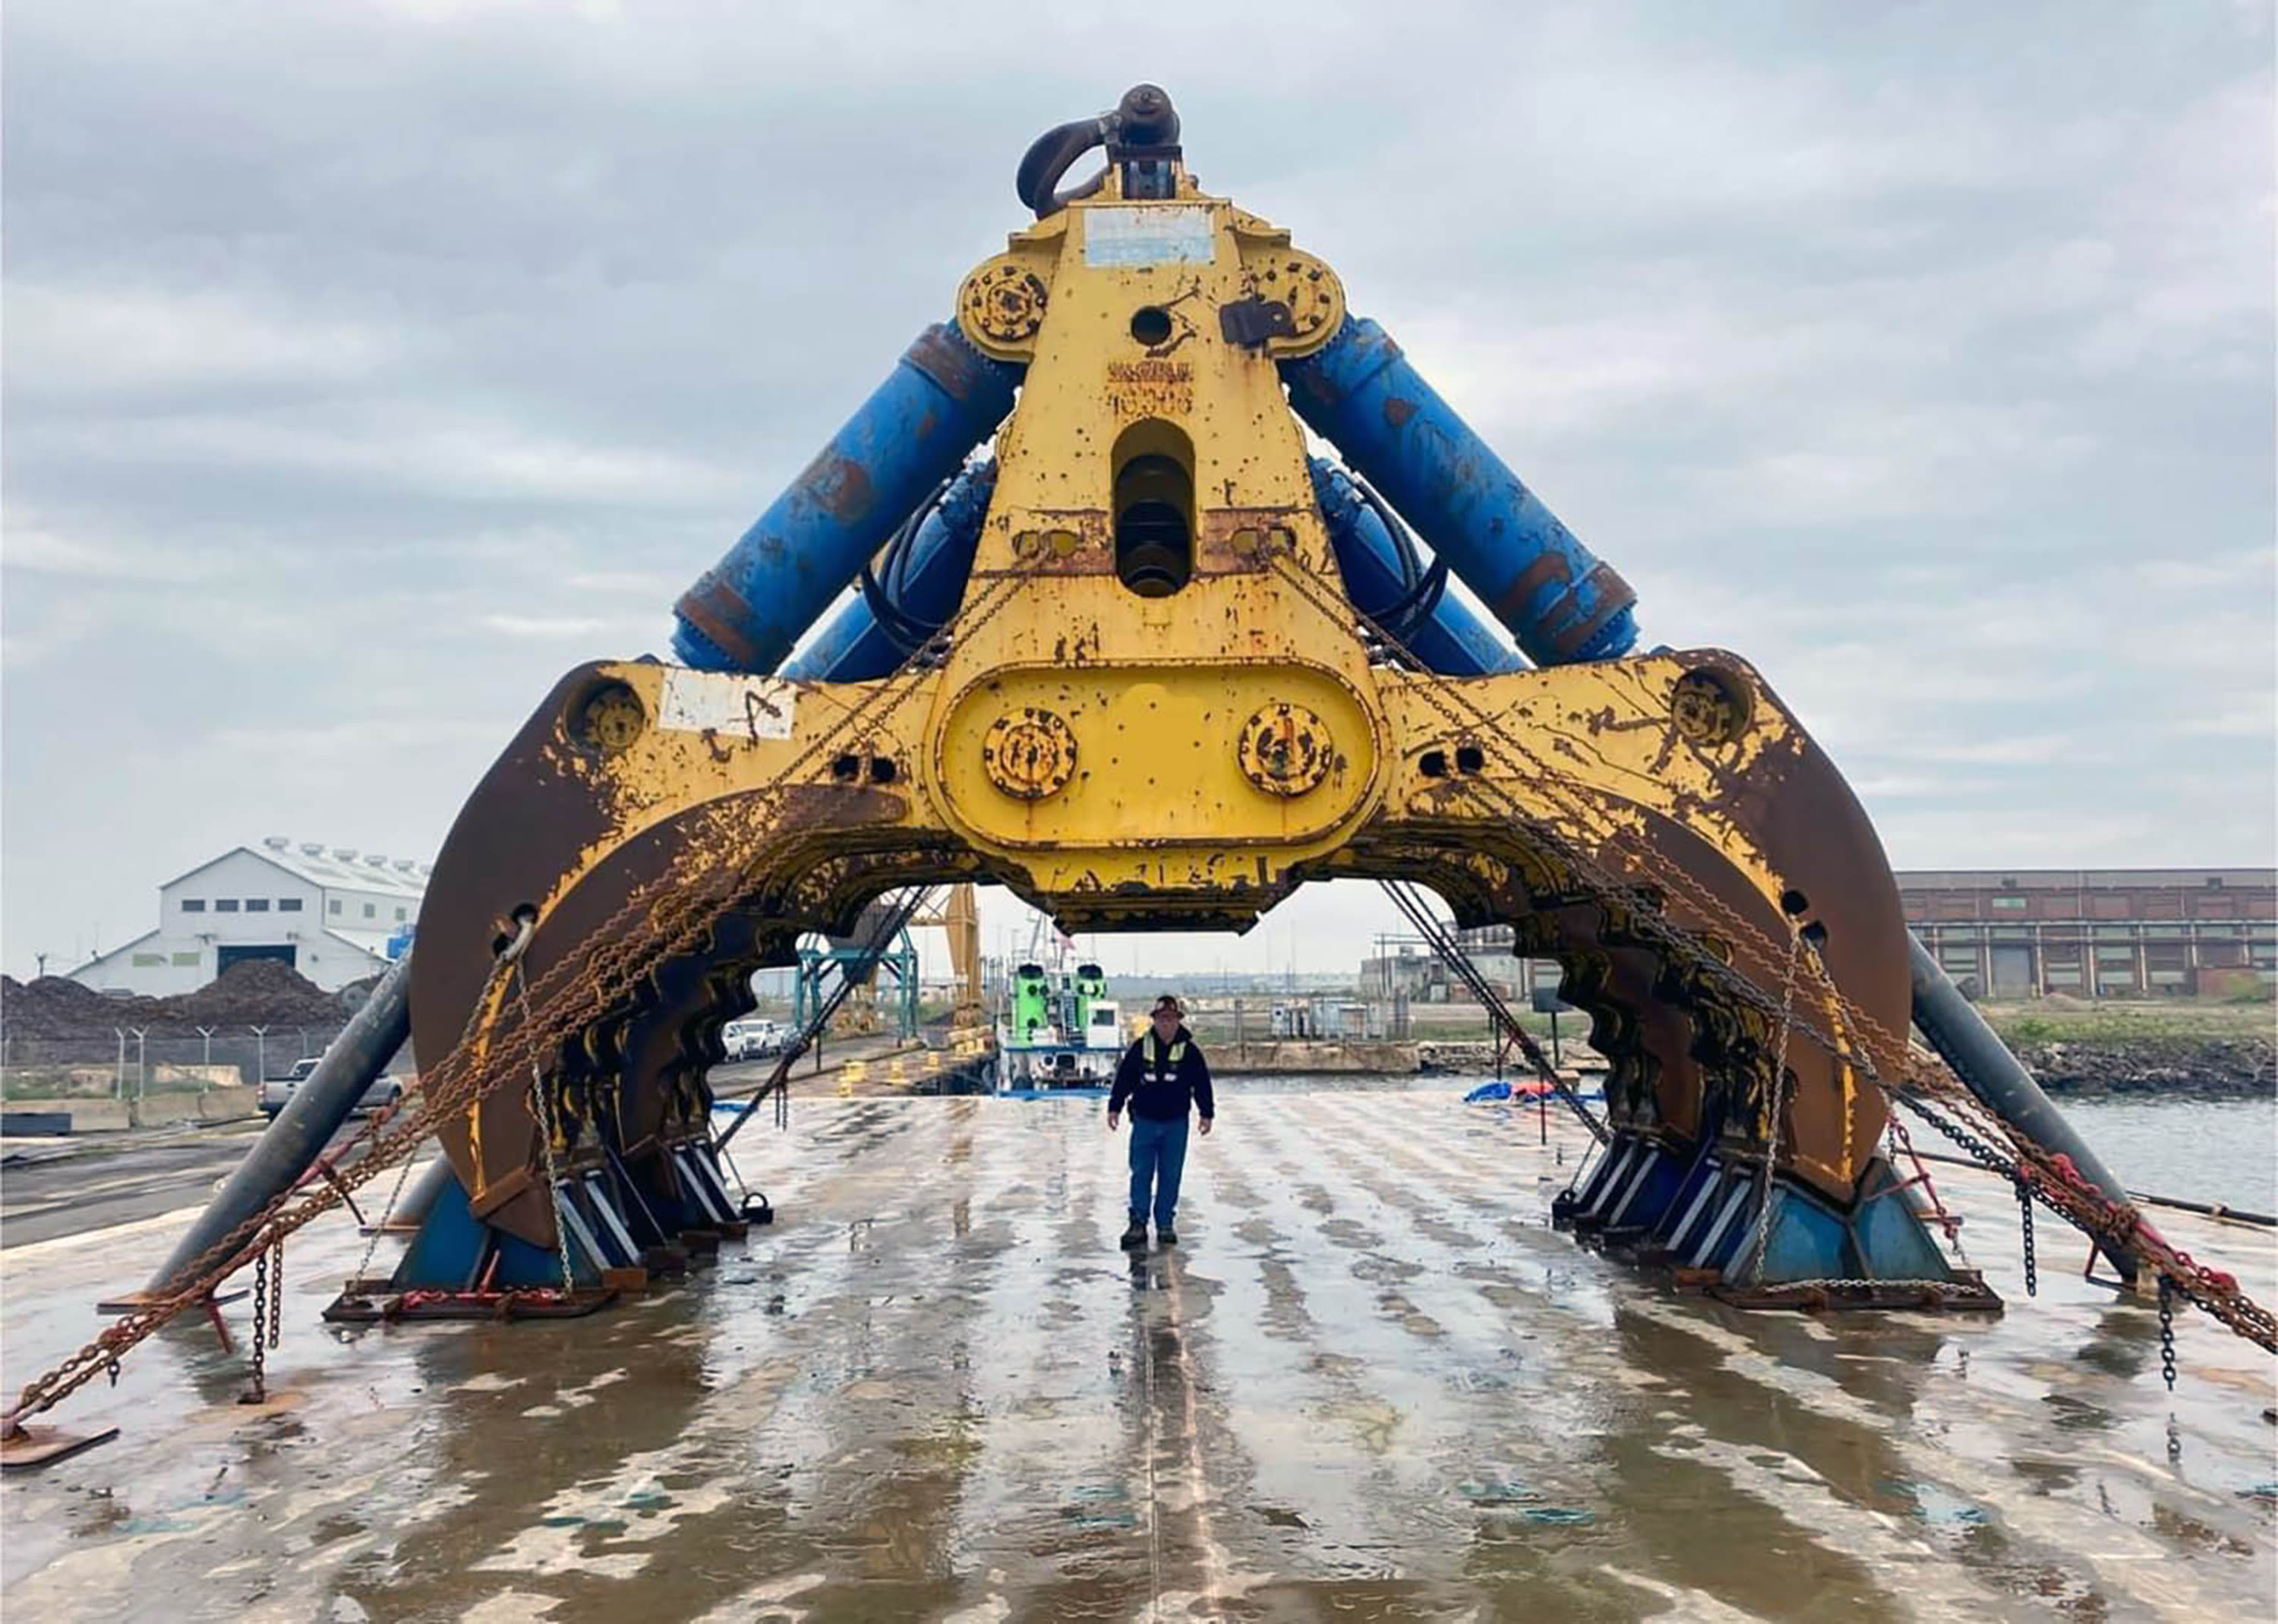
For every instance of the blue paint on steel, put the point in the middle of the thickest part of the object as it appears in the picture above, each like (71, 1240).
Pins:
(1881, 1238)
(927, 587)
(454, 1252)
(1451, 640)
(747, 611)
(1650, 1201)
(1807, 1242)
(1359, 393)
(447, 1252)
(1890, 1233)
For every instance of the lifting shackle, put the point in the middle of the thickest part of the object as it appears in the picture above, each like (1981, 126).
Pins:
(1140, 133)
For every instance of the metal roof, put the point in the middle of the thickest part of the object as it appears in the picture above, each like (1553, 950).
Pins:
(334, 868)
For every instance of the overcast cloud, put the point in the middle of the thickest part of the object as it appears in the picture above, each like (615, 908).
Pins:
(368, 365)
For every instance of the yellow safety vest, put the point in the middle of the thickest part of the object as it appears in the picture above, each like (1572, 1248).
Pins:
(1155, 1059)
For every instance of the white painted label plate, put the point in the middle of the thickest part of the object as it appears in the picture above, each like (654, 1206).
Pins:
(751, 707)
(1147, 234)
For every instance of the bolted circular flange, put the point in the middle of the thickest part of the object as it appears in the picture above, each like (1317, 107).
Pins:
(1708, 706)
(1030, 756)
(610, 719)
(1285, 748)
(1005, 301)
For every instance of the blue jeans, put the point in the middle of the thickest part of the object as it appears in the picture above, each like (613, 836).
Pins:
(1158, 1156)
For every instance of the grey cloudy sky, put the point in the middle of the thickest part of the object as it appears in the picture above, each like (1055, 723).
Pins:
(369, 365)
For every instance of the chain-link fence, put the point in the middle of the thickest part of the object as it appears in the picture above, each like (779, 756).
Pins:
(155, 1077)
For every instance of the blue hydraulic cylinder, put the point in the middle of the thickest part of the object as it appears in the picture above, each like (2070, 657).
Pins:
(746, 612)
(1450, 640)
(1560, 601)
(928, 586)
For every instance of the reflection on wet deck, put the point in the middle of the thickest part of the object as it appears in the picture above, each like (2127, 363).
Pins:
(1371, 1383)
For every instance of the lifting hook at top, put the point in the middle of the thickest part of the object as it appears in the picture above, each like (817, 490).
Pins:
(1142, 131)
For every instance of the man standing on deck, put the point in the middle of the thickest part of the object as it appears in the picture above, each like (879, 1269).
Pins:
(1161, 1076)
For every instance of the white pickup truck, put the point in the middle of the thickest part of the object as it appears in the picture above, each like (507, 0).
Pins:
(385, 1091)
(753, 1040)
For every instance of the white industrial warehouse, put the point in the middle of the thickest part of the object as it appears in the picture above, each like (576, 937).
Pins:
(333, 913)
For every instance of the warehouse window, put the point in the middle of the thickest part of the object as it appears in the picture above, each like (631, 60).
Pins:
(335, 907)
(145, 961)
(193, 905)
(370, 911)
(257, 905)
(2009, 903)
(399, 914)
(288, 904)
(189, 959)
(224, 904)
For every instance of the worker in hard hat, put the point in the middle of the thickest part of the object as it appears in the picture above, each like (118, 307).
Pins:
(1162, 1077)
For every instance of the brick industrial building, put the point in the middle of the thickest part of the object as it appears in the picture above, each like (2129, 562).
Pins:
(2114, 932)
(2118, 933)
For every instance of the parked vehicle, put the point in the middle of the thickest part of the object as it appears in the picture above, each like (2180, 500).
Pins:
(753, 1040)
(385, 1093)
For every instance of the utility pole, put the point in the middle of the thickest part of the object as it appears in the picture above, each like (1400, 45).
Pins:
(43, 961)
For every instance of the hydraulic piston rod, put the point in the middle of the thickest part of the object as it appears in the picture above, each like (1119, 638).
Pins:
(746, 612)
(1563, 604)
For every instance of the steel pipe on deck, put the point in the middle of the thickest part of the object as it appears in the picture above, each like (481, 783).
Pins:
(292, 1143)
(1999, 1080)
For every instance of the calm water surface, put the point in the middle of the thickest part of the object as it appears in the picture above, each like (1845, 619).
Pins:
(2198, 1150)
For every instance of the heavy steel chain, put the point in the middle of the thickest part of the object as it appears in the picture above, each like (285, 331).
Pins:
(1760, 1242)
(276, 1290)
(2025, 1233)
(2056, 1184)
(371, 1240)
(2167, 1333)
(1644, 914)
(541, 1108)
(600, 972)
(259, 1340)
(1902, 1143)
(1419, 914)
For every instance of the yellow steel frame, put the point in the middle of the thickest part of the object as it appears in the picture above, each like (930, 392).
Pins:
(1123, 760)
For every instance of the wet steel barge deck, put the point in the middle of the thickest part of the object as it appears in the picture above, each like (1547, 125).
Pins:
(1372, 1383)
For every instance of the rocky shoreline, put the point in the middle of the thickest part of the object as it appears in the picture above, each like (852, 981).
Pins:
(2203, 1068)
(2073, 1069)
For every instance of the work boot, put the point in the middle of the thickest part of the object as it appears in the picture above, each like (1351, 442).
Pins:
(1136, 1237)
(1165, 1236)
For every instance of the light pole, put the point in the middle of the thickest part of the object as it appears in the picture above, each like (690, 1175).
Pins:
(260, 1055)
(205, 1056)
(119, 1066)
(141, 1065)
